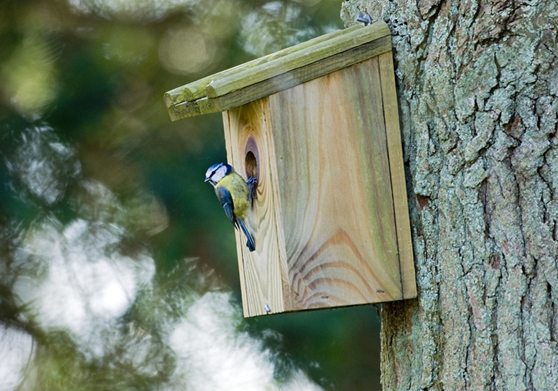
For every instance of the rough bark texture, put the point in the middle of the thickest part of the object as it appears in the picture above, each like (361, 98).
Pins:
(478, 94)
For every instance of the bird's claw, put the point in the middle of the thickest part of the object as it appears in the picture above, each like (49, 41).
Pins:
(252, 184)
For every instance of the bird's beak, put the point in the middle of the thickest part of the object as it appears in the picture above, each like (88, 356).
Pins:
(206, 180)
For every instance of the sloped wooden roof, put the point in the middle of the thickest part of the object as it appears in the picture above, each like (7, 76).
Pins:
(278, 71)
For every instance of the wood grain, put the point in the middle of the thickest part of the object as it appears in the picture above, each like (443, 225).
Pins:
(334, 185)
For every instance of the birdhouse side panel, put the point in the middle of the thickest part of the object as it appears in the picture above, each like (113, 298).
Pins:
(398, 182)
(335, 190)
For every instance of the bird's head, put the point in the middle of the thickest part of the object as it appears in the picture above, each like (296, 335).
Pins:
(216, 172)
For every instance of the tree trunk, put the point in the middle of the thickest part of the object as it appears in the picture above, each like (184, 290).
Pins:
(478, 86)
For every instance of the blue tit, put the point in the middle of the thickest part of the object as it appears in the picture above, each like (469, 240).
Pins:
(232, 191)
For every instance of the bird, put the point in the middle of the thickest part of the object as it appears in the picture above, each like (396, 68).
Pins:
(234, 194)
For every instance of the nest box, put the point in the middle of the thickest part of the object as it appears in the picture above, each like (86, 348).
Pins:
(318, 125)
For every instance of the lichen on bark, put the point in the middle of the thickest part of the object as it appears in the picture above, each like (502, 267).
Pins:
(478, 94)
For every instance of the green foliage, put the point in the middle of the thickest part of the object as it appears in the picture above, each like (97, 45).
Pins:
(85, 137)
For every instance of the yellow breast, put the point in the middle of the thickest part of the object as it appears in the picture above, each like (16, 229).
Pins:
(236, 185)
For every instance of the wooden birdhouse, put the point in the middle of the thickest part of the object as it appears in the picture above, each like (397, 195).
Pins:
(318, 125)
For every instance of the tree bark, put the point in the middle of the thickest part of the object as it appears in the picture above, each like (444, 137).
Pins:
(478, 87)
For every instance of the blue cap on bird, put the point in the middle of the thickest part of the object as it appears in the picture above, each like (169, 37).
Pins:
(217, 172)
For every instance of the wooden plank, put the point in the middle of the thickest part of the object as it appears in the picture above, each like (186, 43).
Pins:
(282, 81)
(335, 190)
(244, 77)
(397, 170)
(262, 271)
(196, 89)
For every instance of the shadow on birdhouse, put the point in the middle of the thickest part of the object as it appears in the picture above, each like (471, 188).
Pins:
(317, 124)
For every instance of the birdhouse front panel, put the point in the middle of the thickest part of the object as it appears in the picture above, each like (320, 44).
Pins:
(317, 124)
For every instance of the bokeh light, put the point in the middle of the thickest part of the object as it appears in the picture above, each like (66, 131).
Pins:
(187, 50)
(117, 267)
(29, 76)
(16, 351)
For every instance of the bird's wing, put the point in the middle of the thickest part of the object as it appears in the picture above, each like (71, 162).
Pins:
(226, 202)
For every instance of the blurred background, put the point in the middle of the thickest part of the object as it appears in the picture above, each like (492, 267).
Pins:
(117, 265)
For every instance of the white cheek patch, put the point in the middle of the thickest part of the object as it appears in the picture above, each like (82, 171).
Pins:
(220, 173)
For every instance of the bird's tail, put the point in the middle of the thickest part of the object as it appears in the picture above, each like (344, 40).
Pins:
(250, 242)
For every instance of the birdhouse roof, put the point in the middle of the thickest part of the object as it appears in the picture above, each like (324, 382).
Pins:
(278, 71)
